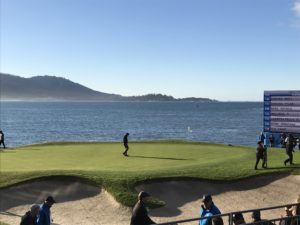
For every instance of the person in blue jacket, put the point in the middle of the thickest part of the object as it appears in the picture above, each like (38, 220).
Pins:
(45, 213)
(208, 209)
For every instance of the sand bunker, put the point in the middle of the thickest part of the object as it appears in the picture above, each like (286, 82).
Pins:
(80, 203)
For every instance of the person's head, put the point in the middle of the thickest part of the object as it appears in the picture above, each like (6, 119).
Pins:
(207, 201)
(296, 210)
(238, 218)
(127, 134)
(255, 215)
(50, 201)
(288, 210)
(143, 196)
(34, 209)
(217, 221)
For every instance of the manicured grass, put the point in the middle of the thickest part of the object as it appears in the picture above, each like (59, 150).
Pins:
(104, 164)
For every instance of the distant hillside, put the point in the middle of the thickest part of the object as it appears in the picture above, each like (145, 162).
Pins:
(48, 88)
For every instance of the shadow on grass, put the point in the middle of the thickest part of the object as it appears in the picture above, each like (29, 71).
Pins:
(295, 166)
(152, 157)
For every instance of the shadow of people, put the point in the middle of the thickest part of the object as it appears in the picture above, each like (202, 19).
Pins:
(63, 189)
(178, 193)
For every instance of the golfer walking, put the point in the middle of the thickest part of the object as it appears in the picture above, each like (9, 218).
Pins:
(125, 142)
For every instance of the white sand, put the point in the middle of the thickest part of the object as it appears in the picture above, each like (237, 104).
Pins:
(80, 203)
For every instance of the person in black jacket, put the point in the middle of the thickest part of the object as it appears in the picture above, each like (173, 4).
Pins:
(260, 154)
(139, 212)
(290, 143)
(30, 217)
(125, 142)
(2, 138)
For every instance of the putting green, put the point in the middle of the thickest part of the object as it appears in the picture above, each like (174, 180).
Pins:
(104, 164)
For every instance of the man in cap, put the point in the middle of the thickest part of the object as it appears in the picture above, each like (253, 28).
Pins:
(256, 218)
(238, 219)
(260, 154)
(139, 212)
(45, 213)
(208, 209)
(30, 217)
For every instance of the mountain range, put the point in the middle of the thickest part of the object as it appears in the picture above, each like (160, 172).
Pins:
(52, 88)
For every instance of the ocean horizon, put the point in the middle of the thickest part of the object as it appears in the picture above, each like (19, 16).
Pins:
(234, 123)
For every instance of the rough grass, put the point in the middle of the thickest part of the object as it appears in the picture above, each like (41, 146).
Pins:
(104, 164)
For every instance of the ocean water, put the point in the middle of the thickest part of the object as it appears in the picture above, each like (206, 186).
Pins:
(37, 122)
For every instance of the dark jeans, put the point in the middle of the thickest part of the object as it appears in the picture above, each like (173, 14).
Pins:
(2, 142)
(290, 159)
(126, 148)
(258, 157)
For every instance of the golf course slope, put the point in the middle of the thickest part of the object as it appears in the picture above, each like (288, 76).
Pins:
(94, 183)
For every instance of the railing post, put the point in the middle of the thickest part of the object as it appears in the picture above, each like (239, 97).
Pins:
(230, 219)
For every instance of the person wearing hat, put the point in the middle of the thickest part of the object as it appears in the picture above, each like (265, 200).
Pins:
(139, 212)
(260, 154)
(256, 218)
(208, 209)
(238, 219)
(2, 138)
(30, 217)
(45, 213)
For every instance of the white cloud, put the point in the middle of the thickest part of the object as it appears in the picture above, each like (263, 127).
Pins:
(296, 8)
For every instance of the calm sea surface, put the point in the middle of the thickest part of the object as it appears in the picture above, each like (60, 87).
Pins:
(37, 122)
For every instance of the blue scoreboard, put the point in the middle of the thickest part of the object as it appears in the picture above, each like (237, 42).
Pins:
(282, 112)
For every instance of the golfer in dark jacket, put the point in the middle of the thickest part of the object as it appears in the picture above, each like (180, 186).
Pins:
(30, 217)
(2, 138)
(125, 142)
(260, 154)
(290, 143)
(139, 213)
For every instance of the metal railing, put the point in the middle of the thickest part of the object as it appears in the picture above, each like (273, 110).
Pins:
(230, 216)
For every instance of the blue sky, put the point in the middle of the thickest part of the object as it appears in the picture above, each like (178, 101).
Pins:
(226, 50)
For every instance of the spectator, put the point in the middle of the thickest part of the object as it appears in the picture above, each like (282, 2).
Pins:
(30, 217)
(287, 213)
(45, 213)
(139, 212)
(238, 219)
(296, 212)
(217, 221)
(208, 209)
(257, 219)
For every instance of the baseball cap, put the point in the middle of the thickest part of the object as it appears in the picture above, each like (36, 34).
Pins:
(143, 194)
(206, 198)
(50, 199)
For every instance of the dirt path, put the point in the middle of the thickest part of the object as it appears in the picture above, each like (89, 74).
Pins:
(80, 203)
